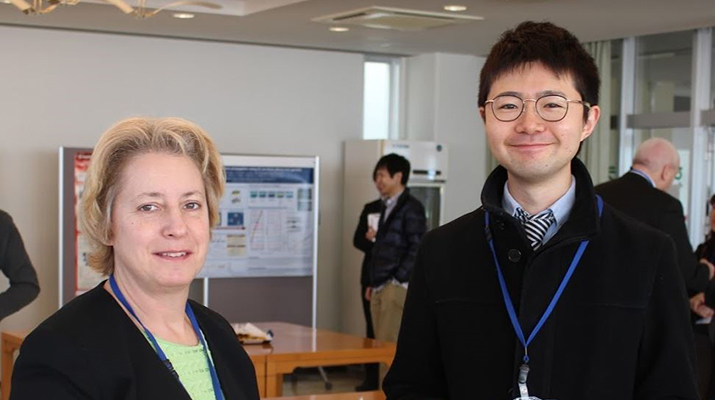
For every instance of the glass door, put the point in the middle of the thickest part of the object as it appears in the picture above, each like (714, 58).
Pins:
(431, 196)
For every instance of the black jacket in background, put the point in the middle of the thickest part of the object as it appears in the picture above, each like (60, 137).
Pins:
(16, 265)
(621, 330)
(361, 242)
(706, 249)
(634, 196)
(91, 350)
(397, 240)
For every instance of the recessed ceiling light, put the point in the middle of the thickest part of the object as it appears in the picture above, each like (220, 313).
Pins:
(183, 15)
(455, 8)
(6, 1)
(339, 29)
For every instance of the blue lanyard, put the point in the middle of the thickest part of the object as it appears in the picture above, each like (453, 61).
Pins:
(507, 300)
(157, 348)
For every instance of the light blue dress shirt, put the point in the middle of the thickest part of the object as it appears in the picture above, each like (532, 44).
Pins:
(561, 208)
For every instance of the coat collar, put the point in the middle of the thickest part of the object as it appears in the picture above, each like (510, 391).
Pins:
(635, 178)
(583, 221)
(400, 203)
(644, 175)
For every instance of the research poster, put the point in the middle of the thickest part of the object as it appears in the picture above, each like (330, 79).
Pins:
(268, 219)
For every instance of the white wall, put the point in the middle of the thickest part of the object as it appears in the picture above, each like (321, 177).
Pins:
(420, 100)
(63, 88)
(442, 106)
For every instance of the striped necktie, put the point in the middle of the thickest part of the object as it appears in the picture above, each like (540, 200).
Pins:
(535, 225)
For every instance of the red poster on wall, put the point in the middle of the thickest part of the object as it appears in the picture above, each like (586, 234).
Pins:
(87, 278)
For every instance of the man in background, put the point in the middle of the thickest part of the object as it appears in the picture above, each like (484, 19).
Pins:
(363, 240)
(642, 193)
(389, 232)
(16, 265)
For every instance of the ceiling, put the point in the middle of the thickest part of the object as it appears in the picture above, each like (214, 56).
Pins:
(289, 22)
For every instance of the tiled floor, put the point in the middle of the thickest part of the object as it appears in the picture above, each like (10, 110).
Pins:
(308, 380)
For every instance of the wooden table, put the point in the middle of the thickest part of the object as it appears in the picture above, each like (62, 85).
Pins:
(296, 346)
(11, 342)
(336, 396)
(293, 346)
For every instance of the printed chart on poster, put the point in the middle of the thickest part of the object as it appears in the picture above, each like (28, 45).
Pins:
(268, 218)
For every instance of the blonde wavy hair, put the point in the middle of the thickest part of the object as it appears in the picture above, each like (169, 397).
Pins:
(127, 139)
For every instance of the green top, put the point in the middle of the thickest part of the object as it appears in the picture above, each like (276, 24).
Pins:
(190, 363)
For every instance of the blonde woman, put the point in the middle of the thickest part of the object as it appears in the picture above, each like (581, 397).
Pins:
(150, 199)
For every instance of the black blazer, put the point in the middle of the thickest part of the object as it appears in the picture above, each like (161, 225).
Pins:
(361, 242)
(90, 349)
(634, 196)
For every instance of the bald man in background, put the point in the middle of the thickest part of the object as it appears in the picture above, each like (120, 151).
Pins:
(642, 193)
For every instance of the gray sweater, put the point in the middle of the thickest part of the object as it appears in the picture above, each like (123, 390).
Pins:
(16, 265)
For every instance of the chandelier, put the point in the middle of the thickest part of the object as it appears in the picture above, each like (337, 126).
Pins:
(39, 7)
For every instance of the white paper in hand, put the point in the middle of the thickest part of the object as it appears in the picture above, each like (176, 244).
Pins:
(373, 221)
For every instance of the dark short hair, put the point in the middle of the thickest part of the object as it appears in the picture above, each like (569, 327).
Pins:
(712, 201)
(552, 46)
(394, 163)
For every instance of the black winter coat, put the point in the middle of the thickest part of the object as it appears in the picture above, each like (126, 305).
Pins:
(397, 240)
(634, 196)
(91, 350)
(620, 331)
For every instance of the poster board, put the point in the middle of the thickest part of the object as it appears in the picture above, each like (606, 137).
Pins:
(269, 276)
(268, 224)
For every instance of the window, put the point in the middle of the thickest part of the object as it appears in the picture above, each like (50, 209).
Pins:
(712, 77)
(381, 98)
(668, 94)
(663, 72)
(616, 70)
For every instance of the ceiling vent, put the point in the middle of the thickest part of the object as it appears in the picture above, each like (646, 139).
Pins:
(396, 19)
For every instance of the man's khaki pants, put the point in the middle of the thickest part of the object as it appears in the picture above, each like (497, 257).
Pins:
(386, 308)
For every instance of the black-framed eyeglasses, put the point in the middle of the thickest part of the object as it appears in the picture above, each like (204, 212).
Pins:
(551, 107)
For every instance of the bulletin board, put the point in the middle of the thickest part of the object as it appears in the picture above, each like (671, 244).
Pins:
(268, 224)
(262, 259)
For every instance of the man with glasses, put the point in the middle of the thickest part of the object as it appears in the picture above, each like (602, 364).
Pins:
(543, 291)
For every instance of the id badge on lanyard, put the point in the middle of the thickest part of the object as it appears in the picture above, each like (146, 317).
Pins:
(521, 380)
(524, 369)
(216, 384)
